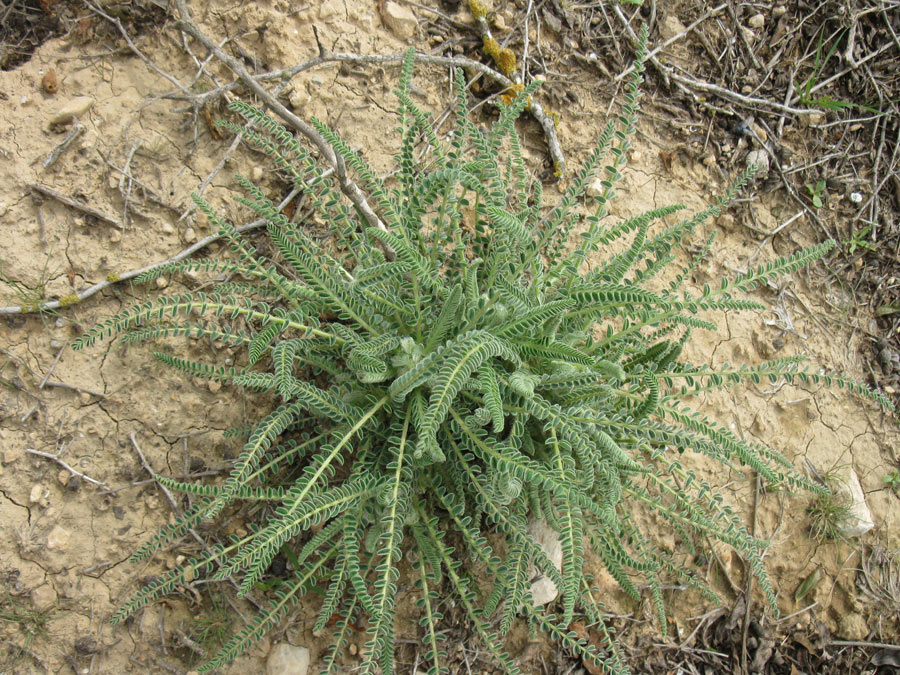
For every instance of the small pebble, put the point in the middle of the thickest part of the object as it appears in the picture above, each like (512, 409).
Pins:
(63, 477)
(856, 197)
(779, 11)
(757, 21)
(353, 649)
(11, 455)
(84, 397)
(214, 386)
(72, 109)
(759, 159)
(74, 483)
(55, 344)
(86, 646)
(37, 493)
(167, 228)
(190, 236)
(58, 538)
(400, 20)
(49, 82)
(115, 236)
(256, 174)
(161, 282)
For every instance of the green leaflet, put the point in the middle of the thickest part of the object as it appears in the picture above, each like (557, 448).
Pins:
(460, 359)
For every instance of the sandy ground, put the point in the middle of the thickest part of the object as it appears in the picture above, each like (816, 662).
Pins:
(64, 541)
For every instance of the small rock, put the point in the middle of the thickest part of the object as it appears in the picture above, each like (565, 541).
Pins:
(779, 11)
(757, 21)
(115, 236)
(670, 27)
(43, 597)
(299, 98)
(853, 627)
(74, 484)
(859, 520)
(286, 659)
(256, 174)
(84, 397)
(168, 228)
(190, 236)
(709, 160)
(813, 118)
(760, 159)
(725, 221)
(12, 454)
(63, 477)
(73, 108)
(58, 538)
(49, 82)
(499, 22)
(595, 189)
(214, 386)
(761, 133)
(55, 344)
(37, 493)
(400, 20)
(161, 282)
(543, 590)
(85, 646)
(353, 649)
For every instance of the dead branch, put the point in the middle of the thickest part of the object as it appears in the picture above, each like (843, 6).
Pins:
(113, 279)
(75, 204)
(348, 187)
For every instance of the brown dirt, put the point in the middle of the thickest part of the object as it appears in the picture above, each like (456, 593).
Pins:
(65, 543)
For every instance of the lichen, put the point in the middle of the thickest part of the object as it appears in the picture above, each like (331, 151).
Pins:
(506, 61)
(113, 277)
(479, 9)
(67, 300)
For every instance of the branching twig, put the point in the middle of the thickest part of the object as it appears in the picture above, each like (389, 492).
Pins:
(348, 187)
(114, 278)
(74, 472)
(68, 201)
(76, 130)
(535, 108)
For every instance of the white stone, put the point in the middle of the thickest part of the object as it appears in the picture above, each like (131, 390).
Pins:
(859, 520)
(400, 20)
(756, 21)
(286, 659)
(595, 189)
(760, 158)
(58, 538)
(71, 109)
(190, 236)
(543, 590)
(37, 493)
